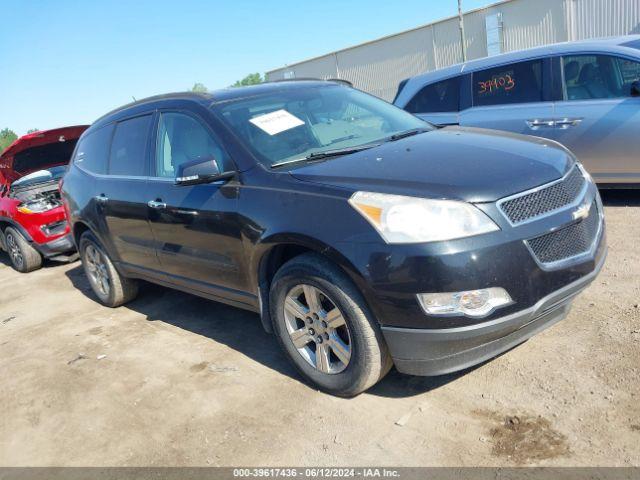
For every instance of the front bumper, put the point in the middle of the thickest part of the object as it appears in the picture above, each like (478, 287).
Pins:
(56, 247)
(439, 351)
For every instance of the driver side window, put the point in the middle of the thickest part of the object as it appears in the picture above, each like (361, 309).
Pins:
(592, 77)
(181, 139)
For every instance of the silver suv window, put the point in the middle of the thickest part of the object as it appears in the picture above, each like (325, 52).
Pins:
(443, 96)
(588, 77)
(515, 83)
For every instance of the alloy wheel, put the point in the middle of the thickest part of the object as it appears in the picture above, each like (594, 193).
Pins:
(97, 270)
(317, 329)
(14, 250)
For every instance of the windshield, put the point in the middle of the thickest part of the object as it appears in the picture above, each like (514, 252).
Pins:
(50, 174)
(299, 122)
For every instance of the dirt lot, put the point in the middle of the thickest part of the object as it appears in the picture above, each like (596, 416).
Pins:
(176, 380)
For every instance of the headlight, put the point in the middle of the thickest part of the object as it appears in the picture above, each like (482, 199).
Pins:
(401, 219)
(36, 206)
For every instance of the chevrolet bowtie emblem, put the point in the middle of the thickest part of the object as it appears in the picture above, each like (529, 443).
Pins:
(582, 212)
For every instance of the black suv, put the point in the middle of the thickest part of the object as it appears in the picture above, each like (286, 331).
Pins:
(363, 236)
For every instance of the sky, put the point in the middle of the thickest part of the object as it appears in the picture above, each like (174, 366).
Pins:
(67, 62)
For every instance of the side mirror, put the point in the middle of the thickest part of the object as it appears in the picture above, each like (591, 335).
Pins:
(200, 171)
(635, 89)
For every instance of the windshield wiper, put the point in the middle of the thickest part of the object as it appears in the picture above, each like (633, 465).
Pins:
(326, 154)
(408, 133)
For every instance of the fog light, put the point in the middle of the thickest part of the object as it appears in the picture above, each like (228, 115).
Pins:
(472, 303)
(55, 228)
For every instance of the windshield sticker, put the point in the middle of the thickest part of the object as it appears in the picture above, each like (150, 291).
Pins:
(504, 82)
(276, 122)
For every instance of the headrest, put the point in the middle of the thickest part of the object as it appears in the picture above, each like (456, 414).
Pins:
(587, 73)
(571, 70)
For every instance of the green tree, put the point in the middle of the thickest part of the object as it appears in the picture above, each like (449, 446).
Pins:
(33, 130)
(251, 79)
(7, 137)
(199, 88)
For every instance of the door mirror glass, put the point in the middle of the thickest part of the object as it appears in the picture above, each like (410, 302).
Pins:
(197, 171)
(635, 88)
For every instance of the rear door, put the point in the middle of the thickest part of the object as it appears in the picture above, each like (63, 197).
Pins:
(438, 103)
(598, 119)
(196, 227)
(121, 197)
(514, 97)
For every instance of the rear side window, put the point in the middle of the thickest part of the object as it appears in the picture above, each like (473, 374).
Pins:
(442, 96)
(508, 84)
(129, 147)
(93, 150)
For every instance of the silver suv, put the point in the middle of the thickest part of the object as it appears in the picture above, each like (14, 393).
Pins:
(585, 95)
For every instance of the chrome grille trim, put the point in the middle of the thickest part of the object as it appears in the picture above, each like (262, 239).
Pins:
(577, 197)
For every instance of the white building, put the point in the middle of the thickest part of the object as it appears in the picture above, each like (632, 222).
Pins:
(378, 66)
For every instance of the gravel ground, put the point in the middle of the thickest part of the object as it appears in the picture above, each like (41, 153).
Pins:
(173, 379)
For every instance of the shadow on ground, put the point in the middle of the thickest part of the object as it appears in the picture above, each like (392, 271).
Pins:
(241, 331)
(4, 259)
(620, 198)
(47, 263)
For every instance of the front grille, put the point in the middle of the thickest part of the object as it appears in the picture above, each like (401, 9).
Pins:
(546, 199)
(569, 241)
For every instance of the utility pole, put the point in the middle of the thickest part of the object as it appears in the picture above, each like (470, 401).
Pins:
(462, 42)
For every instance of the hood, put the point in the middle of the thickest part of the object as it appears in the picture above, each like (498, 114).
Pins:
(38, 151)
(469, 164)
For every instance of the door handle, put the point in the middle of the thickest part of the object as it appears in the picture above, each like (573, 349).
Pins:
(156, 204)
(536, 123)
(568, 122)
(102, 198)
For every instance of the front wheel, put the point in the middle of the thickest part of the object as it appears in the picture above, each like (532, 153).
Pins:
(325, 327)
(112, 288)
(24, 258)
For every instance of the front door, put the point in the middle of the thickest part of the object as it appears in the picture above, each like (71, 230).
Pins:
(195, 227)
(598, 119)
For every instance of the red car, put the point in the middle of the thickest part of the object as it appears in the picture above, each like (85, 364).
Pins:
(33, 223)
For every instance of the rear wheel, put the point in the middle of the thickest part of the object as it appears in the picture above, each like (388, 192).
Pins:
(24, 258)
(325, 327)
(111, 288)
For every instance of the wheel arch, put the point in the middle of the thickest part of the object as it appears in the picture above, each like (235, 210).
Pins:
(8, 222)
(79, 227)
(275, 251)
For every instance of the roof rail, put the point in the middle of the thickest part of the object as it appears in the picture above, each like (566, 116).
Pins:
(153, 98)
(306, 79)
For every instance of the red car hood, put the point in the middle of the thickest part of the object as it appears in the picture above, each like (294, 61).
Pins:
(15, 161)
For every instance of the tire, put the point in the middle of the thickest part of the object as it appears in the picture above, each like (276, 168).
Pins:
(368, 359)
(24, 258)
(111, 288)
